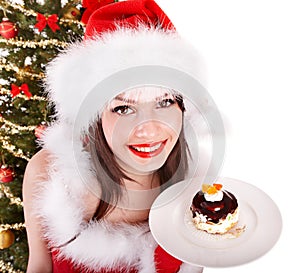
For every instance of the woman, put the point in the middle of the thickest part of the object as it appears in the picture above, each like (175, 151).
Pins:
(88, 192)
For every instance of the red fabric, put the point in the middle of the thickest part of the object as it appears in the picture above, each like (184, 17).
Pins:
(127, 13)
(61, 266)
(164, 262)
(92, 5)
(66, 266)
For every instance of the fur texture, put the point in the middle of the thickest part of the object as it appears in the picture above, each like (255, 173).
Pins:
(70, 78)
(61, 210)
(77, 70)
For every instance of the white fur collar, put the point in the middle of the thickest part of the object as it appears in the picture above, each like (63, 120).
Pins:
(62, 214)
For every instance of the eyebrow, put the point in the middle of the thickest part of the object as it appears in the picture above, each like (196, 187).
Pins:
(132, 101)
(120, 98)
(164, 96)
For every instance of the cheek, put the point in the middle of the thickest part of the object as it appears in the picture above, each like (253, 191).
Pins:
(174, 123)
(116, 131)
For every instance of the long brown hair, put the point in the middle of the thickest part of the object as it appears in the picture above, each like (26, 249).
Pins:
(110, 175)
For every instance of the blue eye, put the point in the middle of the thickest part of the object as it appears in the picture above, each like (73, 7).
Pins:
(122, 110)
(165, 103)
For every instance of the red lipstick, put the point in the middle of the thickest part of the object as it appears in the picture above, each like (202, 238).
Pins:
(147, 150)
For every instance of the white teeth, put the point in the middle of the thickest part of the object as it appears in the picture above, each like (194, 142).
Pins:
(147, 149)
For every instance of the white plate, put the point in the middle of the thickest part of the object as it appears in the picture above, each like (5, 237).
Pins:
(172, 228)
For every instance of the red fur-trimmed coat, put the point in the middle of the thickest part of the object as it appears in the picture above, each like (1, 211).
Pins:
(99, 245)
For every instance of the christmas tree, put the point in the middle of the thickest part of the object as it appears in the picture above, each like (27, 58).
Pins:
(32, 33)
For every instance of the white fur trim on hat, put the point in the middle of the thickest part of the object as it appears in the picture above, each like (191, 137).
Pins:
(76, 71)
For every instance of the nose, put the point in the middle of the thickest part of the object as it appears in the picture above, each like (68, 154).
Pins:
(147, 130)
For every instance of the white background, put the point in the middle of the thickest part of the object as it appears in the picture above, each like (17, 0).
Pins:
(252, 53)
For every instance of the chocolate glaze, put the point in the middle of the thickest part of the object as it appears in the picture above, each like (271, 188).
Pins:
(214, 210)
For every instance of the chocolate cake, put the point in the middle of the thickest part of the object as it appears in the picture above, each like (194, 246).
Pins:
(214, 210)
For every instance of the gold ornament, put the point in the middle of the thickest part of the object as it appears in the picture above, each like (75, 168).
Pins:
(72, 13)
(7, 238)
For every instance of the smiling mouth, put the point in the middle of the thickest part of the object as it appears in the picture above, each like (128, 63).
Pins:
(148, 150)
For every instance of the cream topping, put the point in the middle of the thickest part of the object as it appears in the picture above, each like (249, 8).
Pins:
(218, 196)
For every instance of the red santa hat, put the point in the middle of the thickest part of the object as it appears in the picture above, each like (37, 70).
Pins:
(109, 14)
(119, 36)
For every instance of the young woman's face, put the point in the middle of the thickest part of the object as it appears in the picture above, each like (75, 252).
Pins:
(141, 127)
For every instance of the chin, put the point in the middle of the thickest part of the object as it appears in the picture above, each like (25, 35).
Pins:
(148, 166)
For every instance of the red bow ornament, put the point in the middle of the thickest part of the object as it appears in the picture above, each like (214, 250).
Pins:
(43, 21)
(16, 90)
